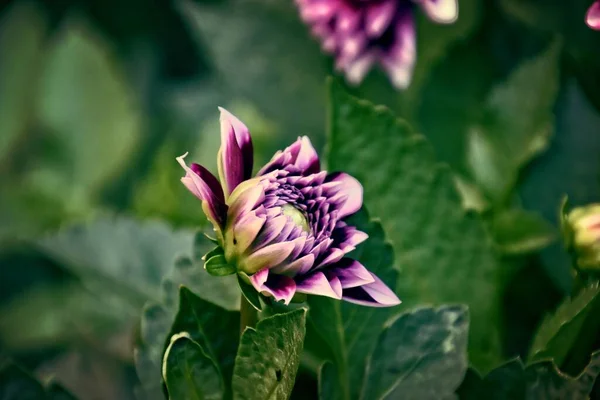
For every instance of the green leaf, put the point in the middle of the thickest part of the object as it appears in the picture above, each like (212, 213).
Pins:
(22, 33)
(269, 356)
(213, 328)
(189, 373)
(93, 120)
(517, 124)
(443, 253)
(217, 266)
(328, 382)
(214, 294)
(16, 384)
(541, 380)
(155, 325)
(249, 292)
(217, 251)
(57, 392)
(50, 316)
(421, 355)
(351, 330)
(518, 231)
(561, 334)
(119, 254)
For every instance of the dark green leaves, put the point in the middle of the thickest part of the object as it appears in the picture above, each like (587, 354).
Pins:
(422, 355)
(189, 373)
(268, 357)
(517, 123)
(444, 254)
(16, 384)
(202, 309)
(541, 380)
(213, 328)
(120, 253)
(351, 330)
(567, 333)
(22, 31)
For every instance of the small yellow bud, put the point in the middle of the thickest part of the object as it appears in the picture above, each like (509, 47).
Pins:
(582, 229)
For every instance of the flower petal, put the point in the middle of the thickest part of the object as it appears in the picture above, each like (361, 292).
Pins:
(307, 159)
(270, 231)
(300, 154)
(206, 187)
(375, 294)
(441, 11)
(351, 273)
(279, 286)
(592, 18)
(378, 17)
(400, 60)
(319, 285)
(246, 229)
(235, 155)
(350, 193)
(296, 267)
(267, 257)
(356, 69)
(315, 11)
(244, 199)
(333, 255)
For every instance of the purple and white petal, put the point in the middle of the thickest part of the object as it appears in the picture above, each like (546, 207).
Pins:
(375, 294)
(205, 186)
(379, 16)
(301, 155)
(246, 230)
(234, 159)
(351, 273)
(299, 266)
(318, 284)
(399, 60)
(280, 287)
(349, 193)
(267, 257)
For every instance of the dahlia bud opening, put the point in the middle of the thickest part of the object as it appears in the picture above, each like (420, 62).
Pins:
(284, 230)
(582, 233)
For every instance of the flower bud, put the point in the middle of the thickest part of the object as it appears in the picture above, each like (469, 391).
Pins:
(582, 234)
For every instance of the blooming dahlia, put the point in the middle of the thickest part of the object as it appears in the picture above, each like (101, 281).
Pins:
(284, 230)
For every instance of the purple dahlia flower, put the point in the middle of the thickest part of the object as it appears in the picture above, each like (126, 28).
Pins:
(284, 229)
(361, 33)
(592, 18)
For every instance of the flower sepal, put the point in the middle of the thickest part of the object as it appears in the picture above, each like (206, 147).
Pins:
(216, 264)
(248, 291)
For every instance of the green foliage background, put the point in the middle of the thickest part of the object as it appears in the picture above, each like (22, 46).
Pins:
(97, 98)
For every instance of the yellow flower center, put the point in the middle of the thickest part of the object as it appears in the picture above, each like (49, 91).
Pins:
(296, 216)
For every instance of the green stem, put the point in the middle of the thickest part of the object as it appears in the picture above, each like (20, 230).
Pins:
(248, 315)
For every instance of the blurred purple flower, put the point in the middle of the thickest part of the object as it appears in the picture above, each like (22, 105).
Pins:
(284, 229)
(592, 18)
(361, 33)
